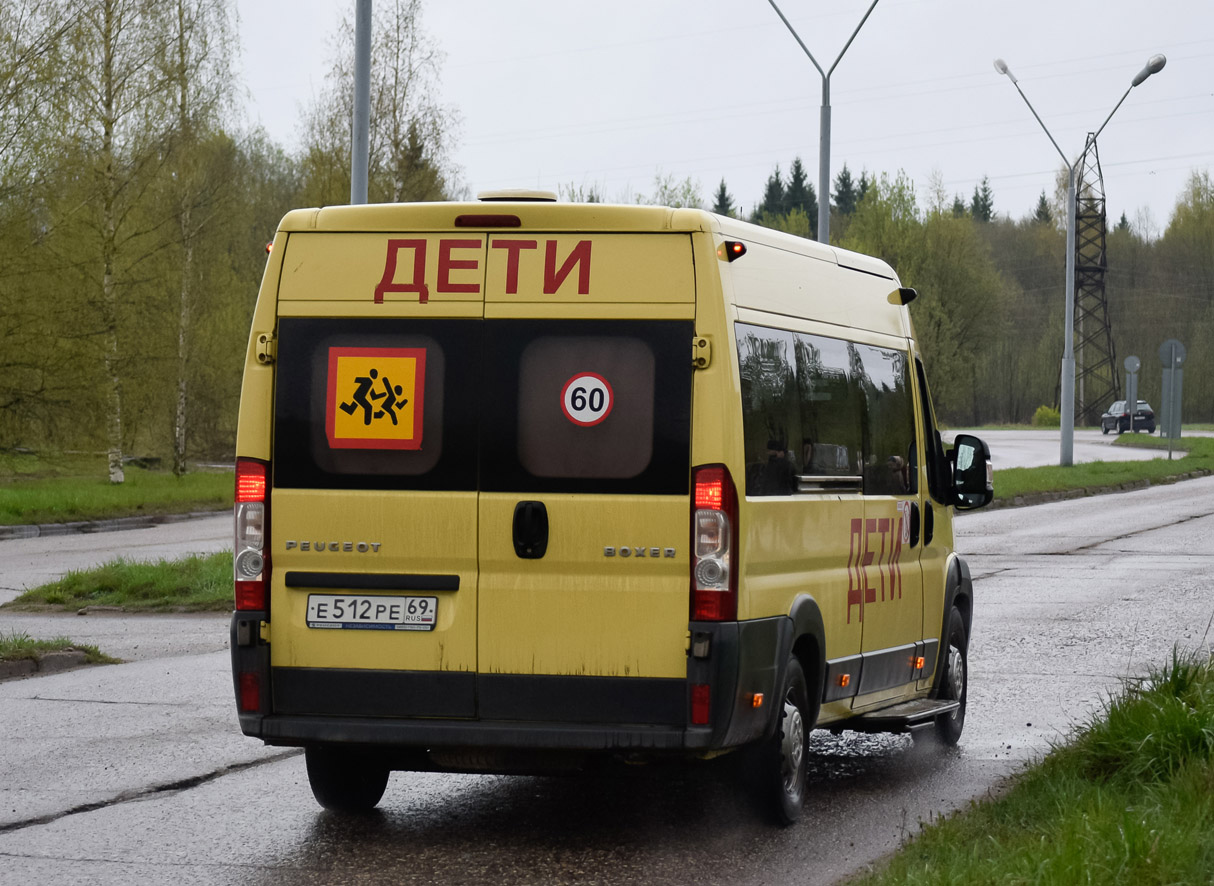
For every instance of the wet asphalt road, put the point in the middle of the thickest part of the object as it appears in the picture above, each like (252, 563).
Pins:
(137, 773)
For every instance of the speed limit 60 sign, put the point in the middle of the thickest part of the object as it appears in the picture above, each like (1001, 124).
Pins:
(587, 399)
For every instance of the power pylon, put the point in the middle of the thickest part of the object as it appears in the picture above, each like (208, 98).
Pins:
(1095, 358)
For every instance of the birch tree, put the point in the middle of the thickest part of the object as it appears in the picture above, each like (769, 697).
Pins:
(197, 67)
(116, 107)
(32, 72)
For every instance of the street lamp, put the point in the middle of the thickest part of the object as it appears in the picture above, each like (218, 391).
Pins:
(1153, 66)
(824, 128)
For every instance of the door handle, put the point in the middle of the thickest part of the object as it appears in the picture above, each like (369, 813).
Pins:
(916, 522)
(530, 530)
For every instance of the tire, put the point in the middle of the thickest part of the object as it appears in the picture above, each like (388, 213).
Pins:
(954, 681)
(345, 780)
(1103, 428)
(782, 759)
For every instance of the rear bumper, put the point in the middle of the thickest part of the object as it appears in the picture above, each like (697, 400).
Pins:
(497, 734)
(427, 710)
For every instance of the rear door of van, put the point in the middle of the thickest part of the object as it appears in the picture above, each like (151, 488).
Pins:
(373, 510)
(480, 476)
(584, 504)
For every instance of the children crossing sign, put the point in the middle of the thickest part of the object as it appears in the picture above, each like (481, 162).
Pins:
(374, 398)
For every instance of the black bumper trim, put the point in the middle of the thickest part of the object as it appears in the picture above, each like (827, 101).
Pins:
(371, 581)
(295, 731)
(540, 697)
(373, 693)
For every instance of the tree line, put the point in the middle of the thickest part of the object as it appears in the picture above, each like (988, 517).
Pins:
(135, 209)
(990, 311)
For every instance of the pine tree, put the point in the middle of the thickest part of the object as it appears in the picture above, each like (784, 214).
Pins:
(865, 181)
(800, 194)
(773, 196)
(1124, 223)
(1043, 215)
(959, 209)
(982, 206)
(845, 192)
(723, 204)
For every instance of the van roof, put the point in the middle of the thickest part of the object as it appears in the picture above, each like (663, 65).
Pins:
(556, 217)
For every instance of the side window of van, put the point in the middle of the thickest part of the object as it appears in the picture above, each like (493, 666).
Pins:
(814, 406)
(802, 411)
(771, 410)
(890, 464)
(933, 457)
(832, 407)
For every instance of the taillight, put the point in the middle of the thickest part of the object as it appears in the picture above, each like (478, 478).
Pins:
(714, 527)
(250, 560)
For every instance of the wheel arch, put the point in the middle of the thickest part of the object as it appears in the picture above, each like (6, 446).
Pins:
(809, 646)
(959, 595)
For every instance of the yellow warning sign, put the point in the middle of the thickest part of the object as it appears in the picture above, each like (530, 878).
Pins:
(375, 398)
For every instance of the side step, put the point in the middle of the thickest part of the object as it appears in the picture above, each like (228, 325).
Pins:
(910, 716)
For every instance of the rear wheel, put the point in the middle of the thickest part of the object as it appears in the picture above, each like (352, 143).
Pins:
(953, 684)
(782, 759)
(345, 780)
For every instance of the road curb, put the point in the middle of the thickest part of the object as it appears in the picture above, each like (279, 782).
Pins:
(1041, 498)
(46, 663)
(40, 530)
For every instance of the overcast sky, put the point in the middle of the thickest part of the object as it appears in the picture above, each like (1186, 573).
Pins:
(607, 95)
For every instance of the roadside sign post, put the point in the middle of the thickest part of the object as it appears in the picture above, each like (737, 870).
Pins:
(1132, 365)
(1171, 357)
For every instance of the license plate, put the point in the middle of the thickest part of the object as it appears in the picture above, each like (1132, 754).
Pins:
(372, 613)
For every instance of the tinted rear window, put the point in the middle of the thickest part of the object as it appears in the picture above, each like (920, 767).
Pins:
(501, 405)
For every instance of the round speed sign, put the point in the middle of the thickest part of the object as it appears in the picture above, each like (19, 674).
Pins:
(587, 399)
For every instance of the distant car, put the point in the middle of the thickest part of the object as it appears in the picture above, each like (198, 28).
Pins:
(1117, 418)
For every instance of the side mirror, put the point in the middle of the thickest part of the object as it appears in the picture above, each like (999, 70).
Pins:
(972, 474)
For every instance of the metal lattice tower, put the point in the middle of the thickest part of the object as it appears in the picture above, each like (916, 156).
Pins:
(1095, 358)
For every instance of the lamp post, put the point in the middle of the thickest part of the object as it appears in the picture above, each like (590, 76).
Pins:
(1067, 447)
(360, 139)
(824, 128)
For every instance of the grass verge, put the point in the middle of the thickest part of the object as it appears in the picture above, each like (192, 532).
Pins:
(1130, 800)
(191, 584)
(18, 646)
(1013, 482)
(34, 489)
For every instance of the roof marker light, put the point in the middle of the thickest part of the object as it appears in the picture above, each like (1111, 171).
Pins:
(730, 250)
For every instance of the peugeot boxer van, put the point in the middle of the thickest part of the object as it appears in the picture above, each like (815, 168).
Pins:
(523, 484)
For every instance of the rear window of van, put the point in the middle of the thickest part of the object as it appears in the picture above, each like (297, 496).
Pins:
(498, 405)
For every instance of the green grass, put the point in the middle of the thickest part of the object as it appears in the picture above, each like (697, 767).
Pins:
(17, 646)
(191, 584)
(35, 489)
(1130, 800)
(1012, 482)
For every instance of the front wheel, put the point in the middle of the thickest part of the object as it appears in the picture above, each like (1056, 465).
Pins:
(782, 759)
(953, 684)
(1104, 429)
(345, 780)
